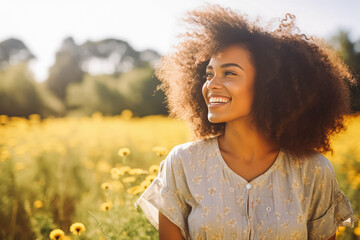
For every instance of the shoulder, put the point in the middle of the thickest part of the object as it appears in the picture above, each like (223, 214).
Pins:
(312, 169)
(190, 150)
(319, 165)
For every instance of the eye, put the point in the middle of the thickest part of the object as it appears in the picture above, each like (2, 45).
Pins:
(207, 76)
(229, 73)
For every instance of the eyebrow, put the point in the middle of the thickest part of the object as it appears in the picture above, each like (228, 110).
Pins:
(226, 65)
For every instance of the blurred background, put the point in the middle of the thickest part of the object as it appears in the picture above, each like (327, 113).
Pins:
(82, 127)
(65, 58)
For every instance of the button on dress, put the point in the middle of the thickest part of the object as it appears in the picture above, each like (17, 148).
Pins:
(293, 199)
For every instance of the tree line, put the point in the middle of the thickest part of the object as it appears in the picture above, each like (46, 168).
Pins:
(106, 76)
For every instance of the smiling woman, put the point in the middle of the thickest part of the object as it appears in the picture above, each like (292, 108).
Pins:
(263, 104)
(228, 90)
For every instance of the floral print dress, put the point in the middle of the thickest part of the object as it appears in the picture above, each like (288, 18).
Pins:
(206, 199)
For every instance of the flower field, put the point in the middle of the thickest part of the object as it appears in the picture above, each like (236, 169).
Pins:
(78, 178)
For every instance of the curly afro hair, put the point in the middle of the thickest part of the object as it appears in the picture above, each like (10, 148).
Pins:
(301, 86)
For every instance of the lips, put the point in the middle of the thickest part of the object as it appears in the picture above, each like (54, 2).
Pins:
(216, 100)
(219, 99)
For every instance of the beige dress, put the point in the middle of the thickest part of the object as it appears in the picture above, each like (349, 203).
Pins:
(206, 199)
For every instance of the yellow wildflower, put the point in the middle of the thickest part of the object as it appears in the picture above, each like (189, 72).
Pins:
(123, 152)
(129, 179)
(150, 178)
(34, 118)
(145, 184)
(57, 234)
(137, 171)
(77, 228)
(154, 169)
(124, 170)
(160, 151)
(117, 185)
(106, 206)
(126, 114)
(340, 230)
(105, 186)
(135, 190)
(38, 204)
(357, 230)
(115, 173)
(4, 119)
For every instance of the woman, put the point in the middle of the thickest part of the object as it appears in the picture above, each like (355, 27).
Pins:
(262, 105)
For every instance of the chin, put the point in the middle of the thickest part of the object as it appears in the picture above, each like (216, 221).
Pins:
(214, 119)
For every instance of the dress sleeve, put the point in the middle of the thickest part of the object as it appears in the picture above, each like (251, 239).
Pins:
(329, 207)
(165, 194)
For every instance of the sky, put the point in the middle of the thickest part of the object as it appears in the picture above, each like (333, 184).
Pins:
(150, 24)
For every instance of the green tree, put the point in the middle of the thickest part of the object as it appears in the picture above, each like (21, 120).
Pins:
(110, 94)
(350, 53)
(66, 69)
(19, 95)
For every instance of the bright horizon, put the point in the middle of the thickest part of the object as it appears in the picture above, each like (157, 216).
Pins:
(149, 24)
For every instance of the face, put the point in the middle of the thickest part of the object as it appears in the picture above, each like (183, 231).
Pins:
(228, 90)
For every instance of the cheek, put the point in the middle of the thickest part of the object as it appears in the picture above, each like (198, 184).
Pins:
(204, 90)
(243, 96)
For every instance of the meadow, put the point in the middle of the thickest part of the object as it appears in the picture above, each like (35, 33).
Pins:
(78, 178)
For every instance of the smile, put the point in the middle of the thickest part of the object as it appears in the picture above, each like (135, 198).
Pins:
(215, 102)
(219, 100)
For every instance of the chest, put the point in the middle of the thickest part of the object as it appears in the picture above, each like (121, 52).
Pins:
(224, 207)
(251, 170)
(229, 211)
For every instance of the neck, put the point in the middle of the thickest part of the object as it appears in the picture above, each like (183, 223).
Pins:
(245, 142)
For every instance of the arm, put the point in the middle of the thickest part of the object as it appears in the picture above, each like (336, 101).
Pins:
(332, 238)
(168, 230)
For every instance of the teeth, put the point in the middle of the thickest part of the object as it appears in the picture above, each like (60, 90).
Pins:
(219, 100)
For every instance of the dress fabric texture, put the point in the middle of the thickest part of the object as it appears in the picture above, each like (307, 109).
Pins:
(293, 199)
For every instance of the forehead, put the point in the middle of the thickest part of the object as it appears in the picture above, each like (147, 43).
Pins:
(231, 54)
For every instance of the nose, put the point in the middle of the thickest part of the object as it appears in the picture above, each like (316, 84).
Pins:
(214, 83)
